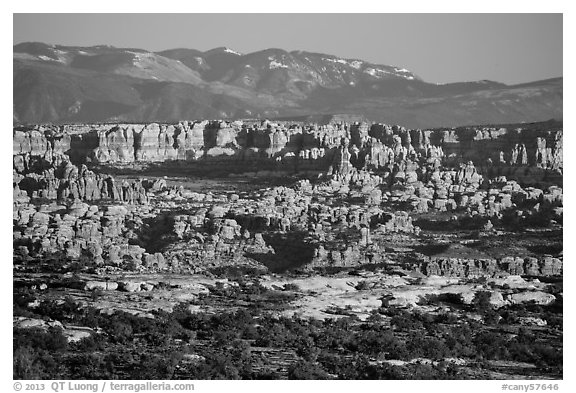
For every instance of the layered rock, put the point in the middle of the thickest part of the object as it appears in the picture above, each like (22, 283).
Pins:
(378, 147)
(472, 268)
(375, 180)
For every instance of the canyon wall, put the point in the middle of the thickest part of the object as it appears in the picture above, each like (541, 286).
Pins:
(375, 184)
(522, 153)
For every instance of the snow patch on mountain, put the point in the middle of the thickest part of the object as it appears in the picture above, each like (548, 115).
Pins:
(46, 58)
(356, 64)
(379, 72)
(341, 61)
(228, 50)
(376, 72)
(404, 71)
(139, 58)
(275, 64)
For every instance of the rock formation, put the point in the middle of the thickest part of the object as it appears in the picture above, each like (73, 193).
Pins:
(372, 183)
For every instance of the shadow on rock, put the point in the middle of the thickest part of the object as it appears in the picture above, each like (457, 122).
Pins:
(291, 251)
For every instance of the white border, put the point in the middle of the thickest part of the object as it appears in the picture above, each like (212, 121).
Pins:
(299, 6)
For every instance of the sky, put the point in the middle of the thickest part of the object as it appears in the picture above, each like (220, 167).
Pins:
(440, 48)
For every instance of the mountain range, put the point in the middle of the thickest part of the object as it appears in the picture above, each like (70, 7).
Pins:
(66, 84)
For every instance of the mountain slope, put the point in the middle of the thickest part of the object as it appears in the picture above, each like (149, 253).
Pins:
(103, 83)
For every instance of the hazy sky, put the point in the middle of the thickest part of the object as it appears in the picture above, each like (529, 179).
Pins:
(509, 48)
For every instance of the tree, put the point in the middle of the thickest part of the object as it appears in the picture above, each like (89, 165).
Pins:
(306, 370)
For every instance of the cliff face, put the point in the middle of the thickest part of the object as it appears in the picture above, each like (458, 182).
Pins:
(518, 152)
(470, 268)
(446, 267)
(378, 184)
(480, 169)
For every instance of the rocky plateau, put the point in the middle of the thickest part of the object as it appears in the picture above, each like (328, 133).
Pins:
(346, 219)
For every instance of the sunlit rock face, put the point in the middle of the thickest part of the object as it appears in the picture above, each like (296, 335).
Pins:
(371, 183)
(407, 156)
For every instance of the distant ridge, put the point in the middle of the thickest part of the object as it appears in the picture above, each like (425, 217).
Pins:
(54, 83)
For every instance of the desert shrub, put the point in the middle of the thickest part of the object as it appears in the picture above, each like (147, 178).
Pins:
(96, 294)
(224, 337)
(490, 345)
(30, 363)
(306, 370)
(273, 335)
(20, 300)
(428, 300)
(119, 331)
(136, 347)
(458, 341)
(88, 366)
(65, 310)
(416, 371)
(406, 322)
(90, 317)
(95, 342)
(509, 317)
(35, 353)
(378, 342)
(481, 301)
(50, 340)
(23, 296)
(447, 318)
(333, 334)
(383, 371)
(338, 365)
(362, 286)
(554, 320)
(451, 298)
(156, 365)
(218, 365)
(306, 349)
(547, 355)
(291, 287)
